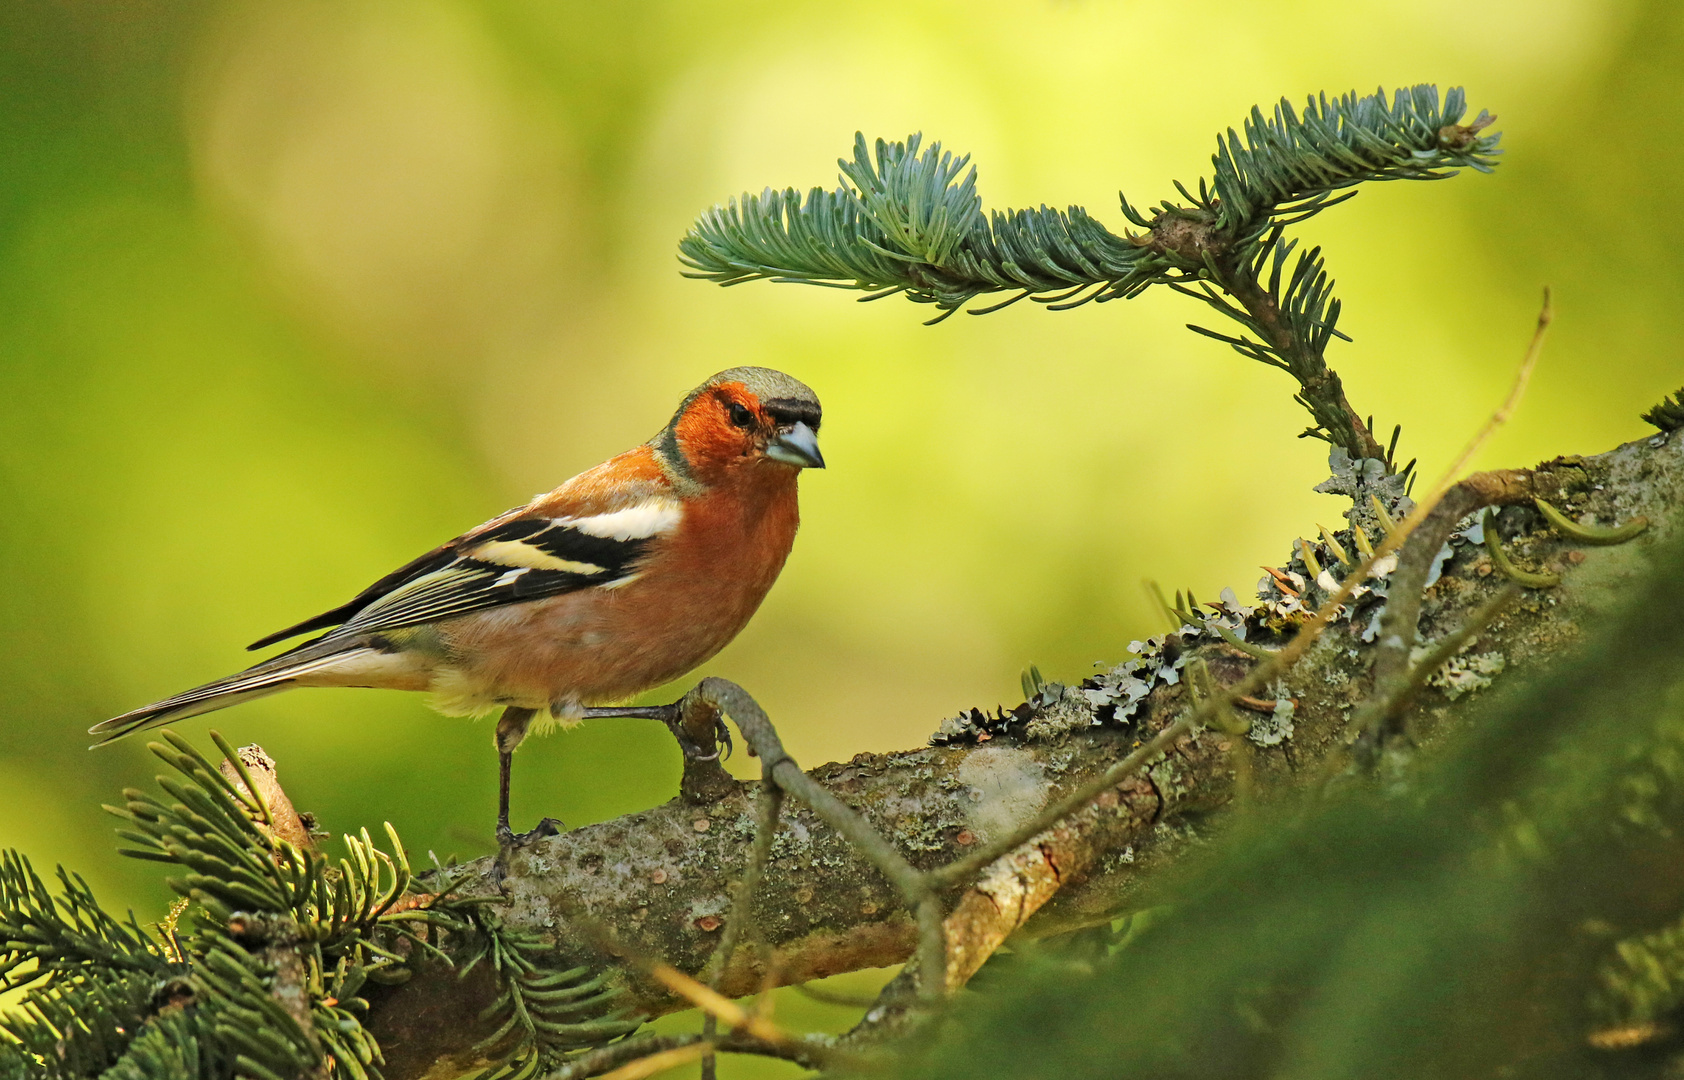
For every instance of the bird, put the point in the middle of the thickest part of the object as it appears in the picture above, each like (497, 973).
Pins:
(625, 577)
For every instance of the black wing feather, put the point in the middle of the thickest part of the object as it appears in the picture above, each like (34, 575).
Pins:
(575, 546)
(436, 559)
(449, 581)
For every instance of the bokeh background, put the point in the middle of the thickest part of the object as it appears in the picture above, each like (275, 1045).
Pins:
(291, 292)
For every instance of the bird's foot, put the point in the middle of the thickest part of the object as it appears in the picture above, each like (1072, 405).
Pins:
(509, 842)
(722, 745)
(507, 838)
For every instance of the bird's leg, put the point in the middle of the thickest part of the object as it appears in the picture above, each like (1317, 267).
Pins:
(672, 716)
(511, 730)
(663, 713)
(703, 737)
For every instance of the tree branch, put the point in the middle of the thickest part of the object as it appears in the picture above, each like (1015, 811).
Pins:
(662, 880)
(1319, 386)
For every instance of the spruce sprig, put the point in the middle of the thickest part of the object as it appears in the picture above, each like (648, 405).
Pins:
(908, 219)
(263, 976)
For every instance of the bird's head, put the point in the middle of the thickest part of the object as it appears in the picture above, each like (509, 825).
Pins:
(750, 418)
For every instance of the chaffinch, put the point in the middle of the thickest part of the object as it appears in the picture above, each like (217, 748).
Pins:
(623, 578)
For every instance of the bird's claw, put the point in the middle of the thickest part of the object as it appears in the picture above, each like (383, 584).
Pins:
(722, 736)
(722, 745)
(546, 827)
(509, 842)
(507, 838)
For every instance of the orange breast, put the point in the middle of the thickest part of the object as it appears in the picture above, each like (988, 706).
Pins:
(695, 592)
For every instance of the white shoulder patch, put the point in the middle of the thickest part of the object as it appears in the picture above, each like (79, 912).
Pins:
(650, 518)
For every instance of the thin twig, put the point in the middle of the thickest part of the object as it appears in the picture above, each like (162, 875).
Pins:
(1321, 390)
(1381, 709)
(812, 1052)
(739, 922)
(914, 887)
(830, 997)
(1594, 535)
(710, 1031)
(661, 1061)
(1450, 644)
(606, 1058)
(714, 1003)
(1403, 602)
(932, 948)
(1534, 349)
(758, 730)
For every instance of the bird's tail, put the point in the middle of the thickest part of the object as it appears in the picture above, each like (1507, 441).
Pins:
(260, 680)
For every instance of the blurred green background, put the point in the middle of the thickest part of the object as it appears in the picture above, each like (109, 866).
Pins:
(291, 292)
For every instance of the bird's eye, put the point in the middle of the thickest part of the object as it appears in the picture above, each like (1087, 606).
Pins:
(740, 415)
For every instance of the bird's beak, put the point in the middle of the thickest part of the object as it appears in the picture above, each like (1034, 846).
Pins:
(799, 446)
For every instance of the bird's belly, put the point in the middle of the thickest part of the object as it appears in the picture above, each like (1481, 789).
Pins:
(585, 648)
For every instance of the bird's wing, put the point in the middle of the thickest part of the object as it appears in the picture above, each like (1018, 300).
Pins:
(519, 556)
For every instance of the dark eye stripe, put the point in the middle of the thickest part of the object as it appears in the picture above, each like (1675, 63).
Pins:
(791, 412)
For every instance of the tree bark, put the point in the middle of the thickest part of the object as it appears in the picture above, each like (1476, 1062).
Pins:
(656, 885)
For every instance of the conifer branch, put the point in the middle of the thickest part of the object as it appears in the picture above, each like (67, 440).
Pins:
(908, 219)
(263, 976)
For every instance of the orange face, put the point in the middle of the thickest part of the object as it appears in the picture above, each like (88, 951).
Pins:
(727, 427)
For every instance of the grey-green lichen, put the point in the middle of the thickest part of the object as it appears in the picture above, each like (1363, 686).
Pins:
(1005, 787)
(1274, 727)
(1467, 673)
